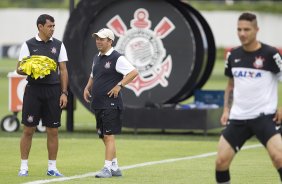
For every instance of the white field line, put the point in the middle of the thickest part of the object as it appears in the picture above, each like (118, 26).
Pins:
(135, 166)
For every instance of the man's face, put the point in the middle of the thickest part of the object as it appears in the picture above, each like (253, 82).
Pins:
(103, 44)
(247, 32)
(47, 29)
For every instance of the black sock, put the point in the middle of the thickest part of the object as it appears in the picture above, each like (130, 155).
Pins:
(223, 176)
(280, 173)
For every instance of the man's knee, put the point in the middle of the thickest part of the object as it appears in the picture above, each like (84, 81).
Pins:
(28, 131)
(277, 159)
(222, 163)
(52, 131)
(274, 147)
(108, 138)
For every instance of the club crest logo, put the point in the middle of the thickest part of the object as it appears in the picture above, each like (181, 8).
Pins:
(107, 65)
(144, 48)
(30, 119)
(53, 50)
(259, 62)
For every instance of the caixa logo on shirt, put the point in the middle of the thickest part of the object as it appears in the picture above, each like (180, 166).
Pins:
(278, 60)
(247, 74)
(144, 48)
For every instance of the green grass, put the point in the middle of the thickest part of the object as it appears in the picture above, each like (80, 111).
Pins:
(79, 155)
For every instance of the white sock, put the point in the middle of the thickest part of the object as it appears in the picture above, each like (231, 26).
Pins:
(114, 164)
(24, 165)
(52, 165)
(108, 164)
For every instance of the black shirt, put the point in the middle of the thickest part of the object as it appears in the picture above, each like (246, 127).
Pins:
(105, 77)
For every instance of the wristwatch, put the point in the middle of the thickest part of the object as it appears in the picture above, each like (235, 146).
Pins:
(120, 84)
(65, 93)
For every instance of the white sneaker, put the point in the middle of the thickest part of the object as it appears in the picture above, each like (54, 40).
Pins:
(23, 172)
(116, 173)
(104, 173)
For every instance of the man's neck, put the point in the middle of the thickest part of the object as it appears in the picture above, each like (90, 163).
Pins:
(43, 38)
(104, 52)
(252, 47)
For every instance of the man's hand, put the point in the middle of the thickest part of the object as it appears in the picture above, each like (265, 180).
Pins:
(224, 117)
(86, 95)
(114, 92)
(278, 116)
(63, 100)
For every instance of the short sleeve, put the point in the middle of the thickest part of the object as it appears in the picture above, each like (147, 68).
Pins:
(24, 52)
(123, 66)
(91, 74)
(63, 54)
(279, 75)
(227, 66)
(278, 61)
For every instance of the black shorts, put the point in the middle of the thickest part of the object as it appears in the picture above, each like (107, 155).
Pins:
(42, 102)
(238, 132)
(108, 121)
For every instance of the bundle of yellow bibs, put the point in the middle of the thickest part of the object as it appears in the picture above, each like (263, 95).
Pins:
(38, 66)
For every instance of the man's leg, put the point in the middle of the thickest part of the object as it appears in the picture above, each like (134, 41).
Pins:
(225, 155)
(52, 146)
(25, 145)
(111, 164)
(26, 141)
(274, 148)
(52, 143)
(110, 150)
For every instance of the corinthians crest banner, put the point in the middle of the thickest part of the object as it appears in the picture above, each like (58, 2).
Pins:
(144, 48)
(168, 42)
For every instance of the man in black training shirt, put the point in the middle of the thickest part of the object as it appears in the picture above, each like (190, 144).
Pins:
(251, 99)
(110, 73)
(45, 97)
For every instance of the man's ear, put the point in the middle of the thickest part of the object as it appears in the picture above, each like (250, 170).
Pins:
(40, 26)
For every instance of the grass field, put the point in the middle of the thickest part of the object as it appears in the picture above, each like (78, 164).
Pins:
(79, 155)
(81, 152)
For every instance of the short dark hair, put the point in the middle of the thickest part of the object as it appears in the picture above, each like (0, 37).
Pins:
(43, 18)
(248, 17)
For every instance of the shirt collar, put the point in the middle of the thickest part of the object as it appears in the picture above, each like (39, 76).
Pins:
(39, 39)
(107, 53)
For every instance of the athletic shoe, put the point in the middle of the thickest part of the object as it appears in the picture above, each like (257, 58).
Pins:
(23, 172)
(104, 173)
(54, 173)
(116, 173)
